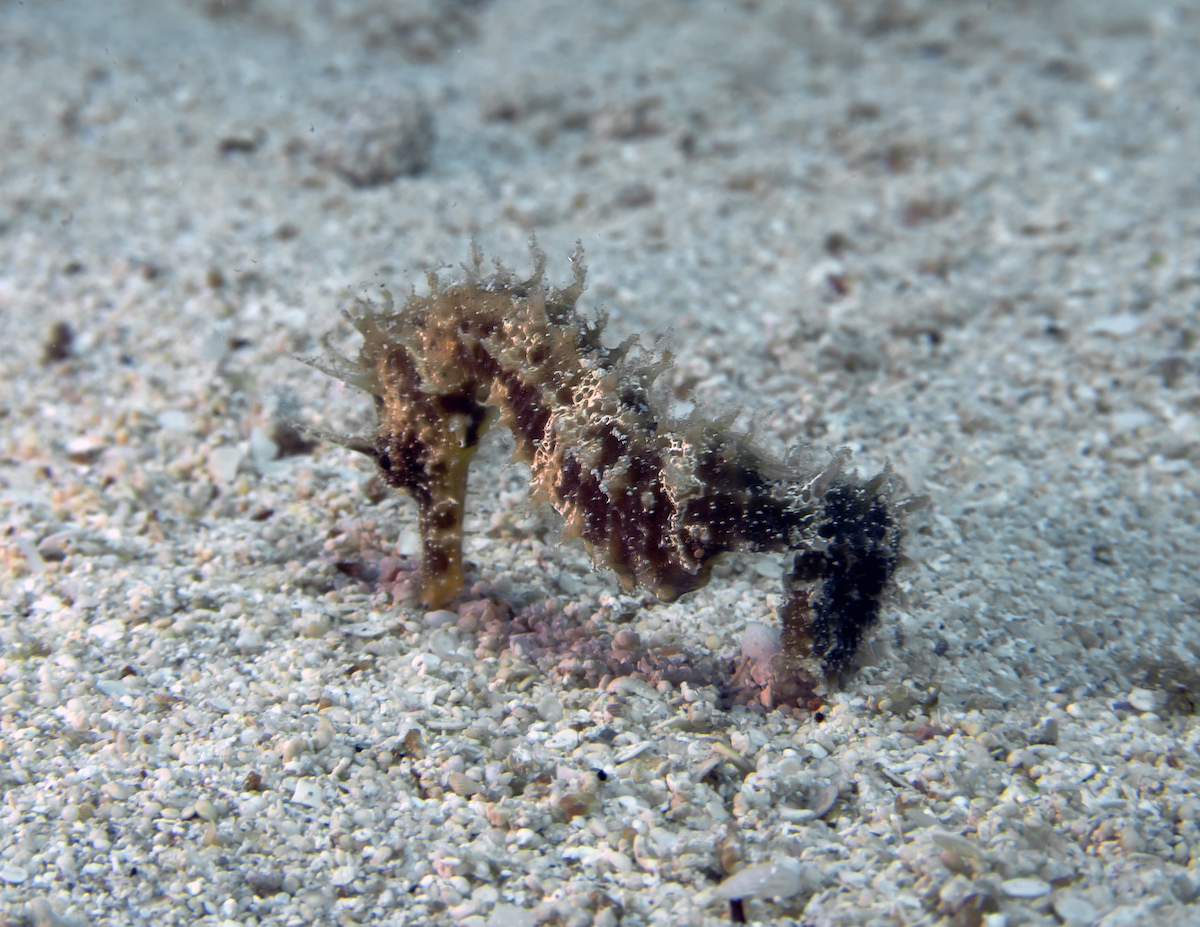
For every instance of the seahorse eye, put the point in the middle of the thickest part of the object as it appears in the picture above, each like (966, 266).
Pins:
(385, 461)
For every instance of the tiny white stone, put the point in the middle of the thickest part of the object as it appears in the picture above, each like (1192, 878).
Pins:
(88, 446)
(440, 618)
(343, 875)
(1025, 888)
(443, 642)
(252, 807)
(826, 799)
(323, 736)
(223, 463)
(13, 875)
(766, 880)
(816, 751)
(550, 709)
(632, 751)
(1075, 911)
(42, 915)
(307, 793)
(631, 685)
(1131, 420)
(1145, 699)
(1116, 325)
(664, 841)
(111, 687)
(760, 643)
(250, 641)
(365, 630)
(174, 420)
(314, 625)
(564, 740)
(108, 632)
(48, 603)
(262, 448)
(958, 845)
(509, 915)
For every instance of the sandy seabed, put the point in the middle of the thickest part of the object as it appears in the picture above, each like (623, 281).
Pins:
(962, 237)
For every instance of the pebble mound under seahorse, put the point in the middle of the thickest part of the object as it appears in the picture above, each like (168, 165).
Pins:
(655, 499)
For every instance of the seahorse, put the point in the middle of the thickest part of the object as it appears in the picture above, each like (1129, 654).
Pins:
(654, 498)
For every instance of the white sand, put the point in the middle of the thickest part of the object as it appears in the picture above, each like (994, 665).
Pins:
(960, 237)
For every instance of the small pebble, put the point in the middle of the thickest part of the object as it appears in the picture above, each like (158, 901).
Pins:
(564, 740)
(262, 449)
(550, 709)
(58, 343)
(631, 685)
(315, 625)
(1025, 888)
(760, 642)
(223, 463)
(633, 751)
(440, 619)
(463, 785)
(343, 875)
(826, 799)
(108, 632)
(307, 793)
(323, 736)
(293, 748)
(765, 880)
(250, 641)
(1075, 912)
(960, 846)
(265, 882)
(1116, 325)
(509, 915)
(42, 915)
(111, 687)
(1146, 699)
(173, 420)
(383, 135)
(54, 548)
(13, 875)
(1045, 733)
(627, 640)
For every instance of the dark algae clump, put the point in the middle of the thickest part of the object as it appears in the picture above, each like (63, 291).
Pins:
(654, 498)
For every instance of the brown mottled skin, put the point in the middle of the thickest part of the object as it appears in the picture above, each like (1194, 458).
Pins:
(654, 499)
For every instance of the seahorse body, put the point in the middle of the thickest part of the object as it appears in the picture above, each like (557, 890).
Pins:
(655, 499)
